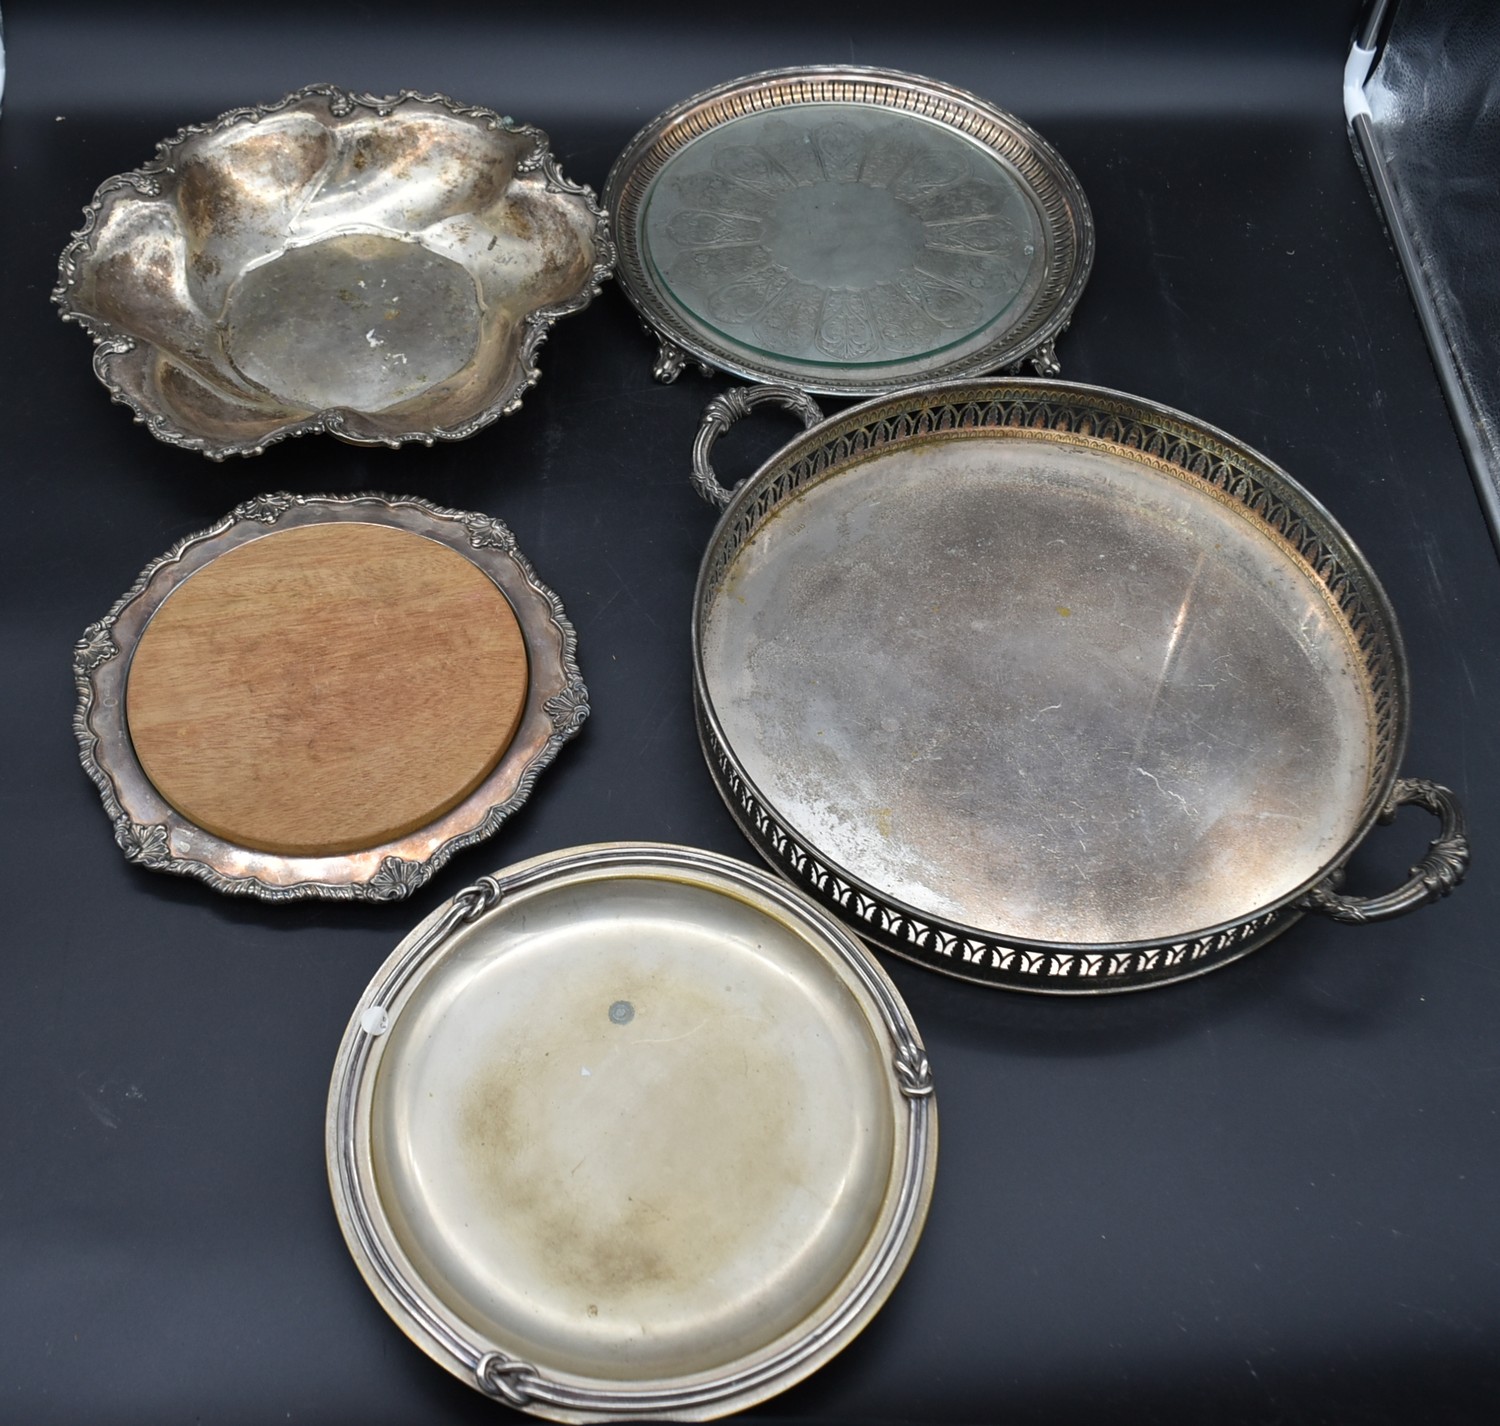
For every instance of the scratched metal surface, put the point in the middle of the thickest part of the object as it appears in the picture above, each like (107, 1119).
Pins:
(1267, 1194)
(1042, 690)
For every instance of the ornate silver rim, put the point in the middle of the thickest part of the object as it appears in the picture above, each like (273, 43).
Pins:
(1053, 187)
(151, 833)
(1036, 409)
(111, 347)
(487, 1365)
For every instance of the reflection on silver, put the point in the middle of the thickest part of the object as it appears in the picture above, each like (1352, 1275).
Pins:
(1174, 640)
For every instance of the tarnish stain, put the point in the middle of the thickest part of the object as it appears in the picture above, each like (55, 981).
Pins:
(659, 1169)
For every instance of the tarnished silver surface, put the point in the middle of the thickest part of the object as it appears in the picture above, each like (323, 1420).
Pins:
(848, 230)
(733, 405)
(154, 834)
(380, 268)
(631, 1130)
(1048, 686)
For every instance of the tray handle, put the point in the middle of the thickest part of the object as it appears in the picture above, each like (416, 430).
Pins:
(727, 408)
(1430, 880)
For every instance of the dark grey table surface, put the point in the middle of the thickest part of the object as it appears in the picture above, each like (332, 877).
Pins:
(1268, 1195)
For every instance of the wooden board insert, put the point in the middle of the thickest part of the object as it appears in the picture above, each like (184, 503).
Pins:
(327, 688)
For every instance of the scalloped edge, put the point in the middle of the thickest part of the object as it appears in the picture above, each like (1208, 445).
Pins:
(396, 877)
(110, 344)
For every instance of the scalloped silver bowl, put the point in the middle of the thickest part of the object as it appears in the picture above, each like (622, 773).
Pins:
(383, 269)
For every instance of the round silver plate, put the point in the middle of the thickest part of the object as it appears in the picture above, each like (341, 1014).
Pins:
(848, 231)
(631, 1131)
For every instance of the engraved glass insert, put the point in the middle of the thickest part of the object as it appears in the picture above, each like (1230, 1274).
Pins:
(829, 233)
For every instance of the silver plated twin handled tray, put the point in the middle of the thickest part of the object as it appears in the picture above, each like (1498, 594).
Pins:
(1050, 687)
(849, 231)
(631, 1131)
(380, 268)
